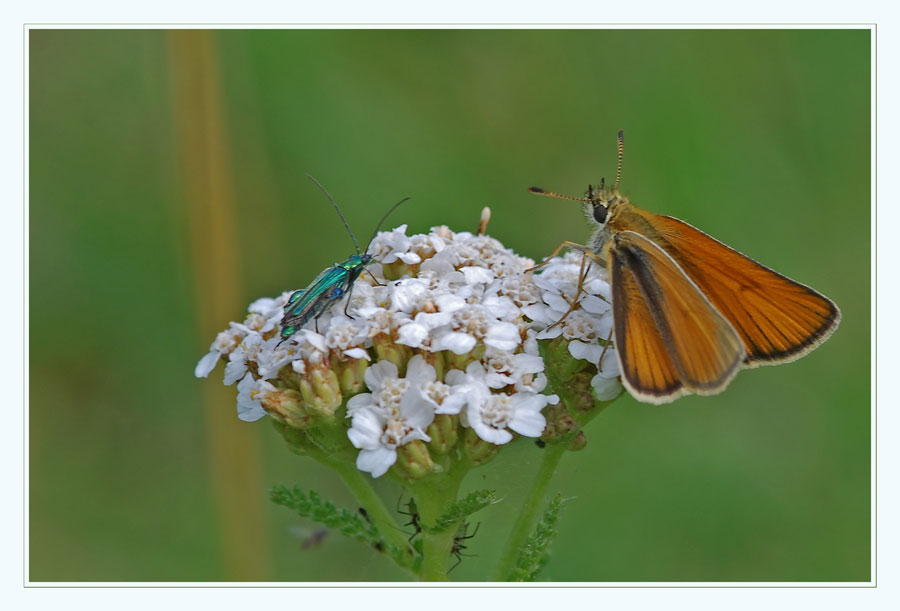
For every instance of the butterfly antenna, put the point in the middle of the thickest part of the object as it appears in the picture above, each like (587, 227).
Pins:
(383, 219)
(336, 207)
(621, 153)
(540, 191)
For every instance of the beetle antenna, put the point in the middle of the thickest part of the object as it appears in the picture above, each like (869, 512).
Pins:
(383, 219)
(336, 207)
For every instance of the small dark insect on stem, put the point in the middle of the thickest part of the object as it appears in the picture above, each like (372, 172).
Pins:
(458, 546)
(413, 515)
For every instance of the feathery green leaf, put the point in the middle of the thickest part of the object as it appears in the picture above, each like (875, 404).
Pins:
(352, 524)
(472, 502)
(534, 554)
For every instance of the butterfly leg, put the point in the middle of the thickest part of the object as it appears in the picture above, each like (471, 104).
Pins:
(582, 276)
(605, 347)
(556, 251)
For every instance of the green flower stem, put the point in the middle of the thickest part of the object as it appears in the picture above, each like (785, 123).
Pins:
(433, 498)
(553, 453)
(379, 514)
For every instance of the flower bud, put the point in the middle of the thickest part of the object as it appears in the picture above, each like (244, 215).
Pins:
(477, 450)
(560, 425)
(320, 391)
(413, 460)
(288, 376)
(582, 396)
(578, 442)
(557, 356)
(350, 374)
(443, 432)
(394, 270)
(387, 350)
(461, 361)
(286, 405)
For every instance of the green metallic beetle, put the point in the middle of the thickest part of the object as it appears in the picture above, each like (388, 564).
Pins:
(329, 286)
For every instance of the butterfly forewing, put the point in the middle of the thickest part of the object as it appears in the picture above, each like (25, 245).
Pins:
(646, 367)
(669, 337)
(778, 319)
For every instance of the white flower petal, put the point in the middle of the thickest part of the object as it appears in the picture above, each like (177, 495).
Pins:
(454, 402)
(365, 430)
(556, 301)
(408, 294)
(207, 364)
(455, 342)
(250, 412)
(450, 303)
(550, 332)
(502, 307)
(434, 320)
(376, 461)
(603, 326)
(455, 377)
(234, 370)
(527, 422)
(357, 353)
(264, 305)
(410, 258)
(609, 366)
(369, 311)
(488, 433)
(605, 389)
(594, 305)
(412, 334)
(539, 312)
(599, 287)
(416, 409)
(528, 363)
(249, 407)
(318, 341)
(477, 275)
(503, 336)
(418, 371)
(588, 352)
(441, 264)
(376, 374)
(358, 402)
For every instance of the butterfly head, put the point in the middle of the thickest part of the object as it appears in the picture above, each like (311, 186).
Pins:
(600, 204)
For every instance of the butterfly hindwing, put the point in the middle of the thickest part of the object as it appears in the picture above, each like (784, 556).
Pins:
(778, 319)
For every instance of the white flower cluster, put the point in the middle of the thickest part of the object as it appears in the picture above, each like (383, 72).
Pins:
(458, 294)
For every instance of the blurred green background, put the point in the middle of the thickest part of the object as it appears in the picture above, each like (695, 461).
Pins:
(167, 191)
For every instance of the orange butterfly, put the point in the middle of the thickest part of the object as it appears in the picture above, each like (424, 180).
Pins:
(688, 311)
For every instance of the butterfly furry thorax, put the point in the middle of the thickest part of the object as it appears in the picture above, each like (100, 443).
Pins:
(607, 211)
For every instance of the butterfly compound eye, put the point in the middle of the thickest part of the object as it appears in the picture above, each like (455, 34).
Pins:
(600, 213)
